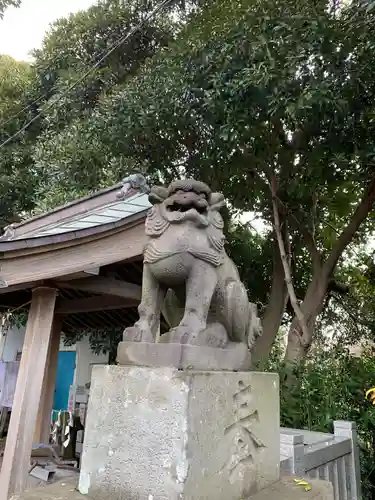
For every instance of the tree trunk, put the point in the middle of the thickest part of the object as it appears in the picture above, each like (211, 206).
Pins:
(313, 303)
(273, 315)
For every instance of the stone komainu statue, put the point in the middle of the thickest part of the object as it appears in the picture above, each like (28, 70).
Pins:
(188, 275)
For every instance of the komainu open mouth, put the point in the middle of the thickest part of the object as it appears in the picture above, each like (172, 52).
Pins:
(180, 207)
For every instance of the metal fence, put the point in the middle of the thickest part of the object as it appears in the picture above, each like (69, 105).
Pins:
(333, 457)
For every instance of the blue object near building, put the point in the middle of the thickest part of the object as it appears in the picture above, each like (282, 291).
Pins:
(64, 379)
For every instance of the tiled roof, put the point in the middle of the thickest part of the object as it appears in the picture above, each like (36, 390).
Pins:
(109, 207)
(111, 212)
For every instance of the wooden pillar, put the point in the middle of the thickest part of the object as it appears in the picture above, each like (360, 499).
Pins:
(42, 427)
(3, 420)
(16, 462)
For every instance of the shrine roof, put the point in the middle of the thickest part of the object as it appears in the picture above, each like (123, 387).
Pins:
(89, 249)
(97, 212)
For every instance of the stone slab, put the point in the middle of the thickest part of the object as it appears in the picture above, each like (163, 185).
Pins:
(236, 357)
(287, 489)
(165, 434)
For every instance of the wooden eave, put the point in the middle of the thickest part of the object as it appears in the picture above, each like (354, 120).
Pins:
(95, 247)
(94, 231)
(97, 269)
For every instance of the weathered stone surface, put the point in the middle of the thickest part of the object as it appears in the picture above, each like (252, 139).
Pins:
(164, 434)
(287, 489)
(188, 274)
(236, 357)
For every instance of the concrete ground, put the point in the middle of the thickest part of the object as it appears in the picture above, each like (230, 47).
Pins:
(63, 490)
(59, 476)
(285, 489)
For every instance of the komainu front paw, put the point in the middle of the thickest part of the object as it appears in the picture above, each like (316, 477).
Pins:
(178, 335)
(138, 333)
(213, 335)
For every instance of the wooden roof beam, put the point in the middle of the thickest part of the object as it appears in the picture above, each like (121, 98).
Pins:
(95, 271)
(114, 246)
(105, 286)
(92, 304)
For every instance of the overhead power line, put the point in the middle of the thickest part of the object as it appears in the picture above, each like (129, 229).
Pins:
(42, 96)
(117, 44)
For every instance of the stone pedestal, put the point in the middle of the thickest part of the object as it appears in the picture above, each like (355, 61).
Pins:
(235, 357)
(164, 434)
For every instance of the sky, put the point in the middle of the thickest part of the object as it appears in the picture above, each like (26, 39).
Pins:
(23, 29)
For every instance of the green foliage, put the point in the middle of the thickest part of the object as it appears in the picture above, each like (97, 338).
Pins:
(74, 44)
(70, 49)
(223, 101)
(111, 339)
(252, 253)
(102, 341)
(352, 314)
(8, 3)
(17, 176)
(332, 386)
(17, 319)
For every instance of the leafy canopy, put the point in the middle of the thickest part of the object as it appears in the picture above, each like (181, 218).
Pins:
(247, 88)
(17, 173)
(8, 3)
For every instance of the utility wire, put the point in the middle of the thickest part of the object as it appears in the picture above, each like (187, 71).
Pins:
(25, 108)
(42, 96)
(117, 44)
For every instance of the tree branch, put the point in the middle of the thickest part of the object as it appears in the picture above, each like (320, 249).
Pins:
(308, 238)
(316, 257)
(288, 275)
(360, 214)
(336, 286)
(352, 315)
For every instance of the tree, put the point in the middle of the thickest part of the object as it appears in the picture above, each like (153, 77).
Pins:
(254, 95)
(8, 3)
(17, 175)
(70, 49)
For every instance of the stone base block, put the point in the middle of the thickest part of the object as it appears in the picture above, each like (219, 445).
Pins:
(235, 357)
(165, 434)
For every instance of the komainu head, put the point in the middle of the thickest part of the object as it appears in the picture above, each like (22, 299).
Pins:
(188, 200)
